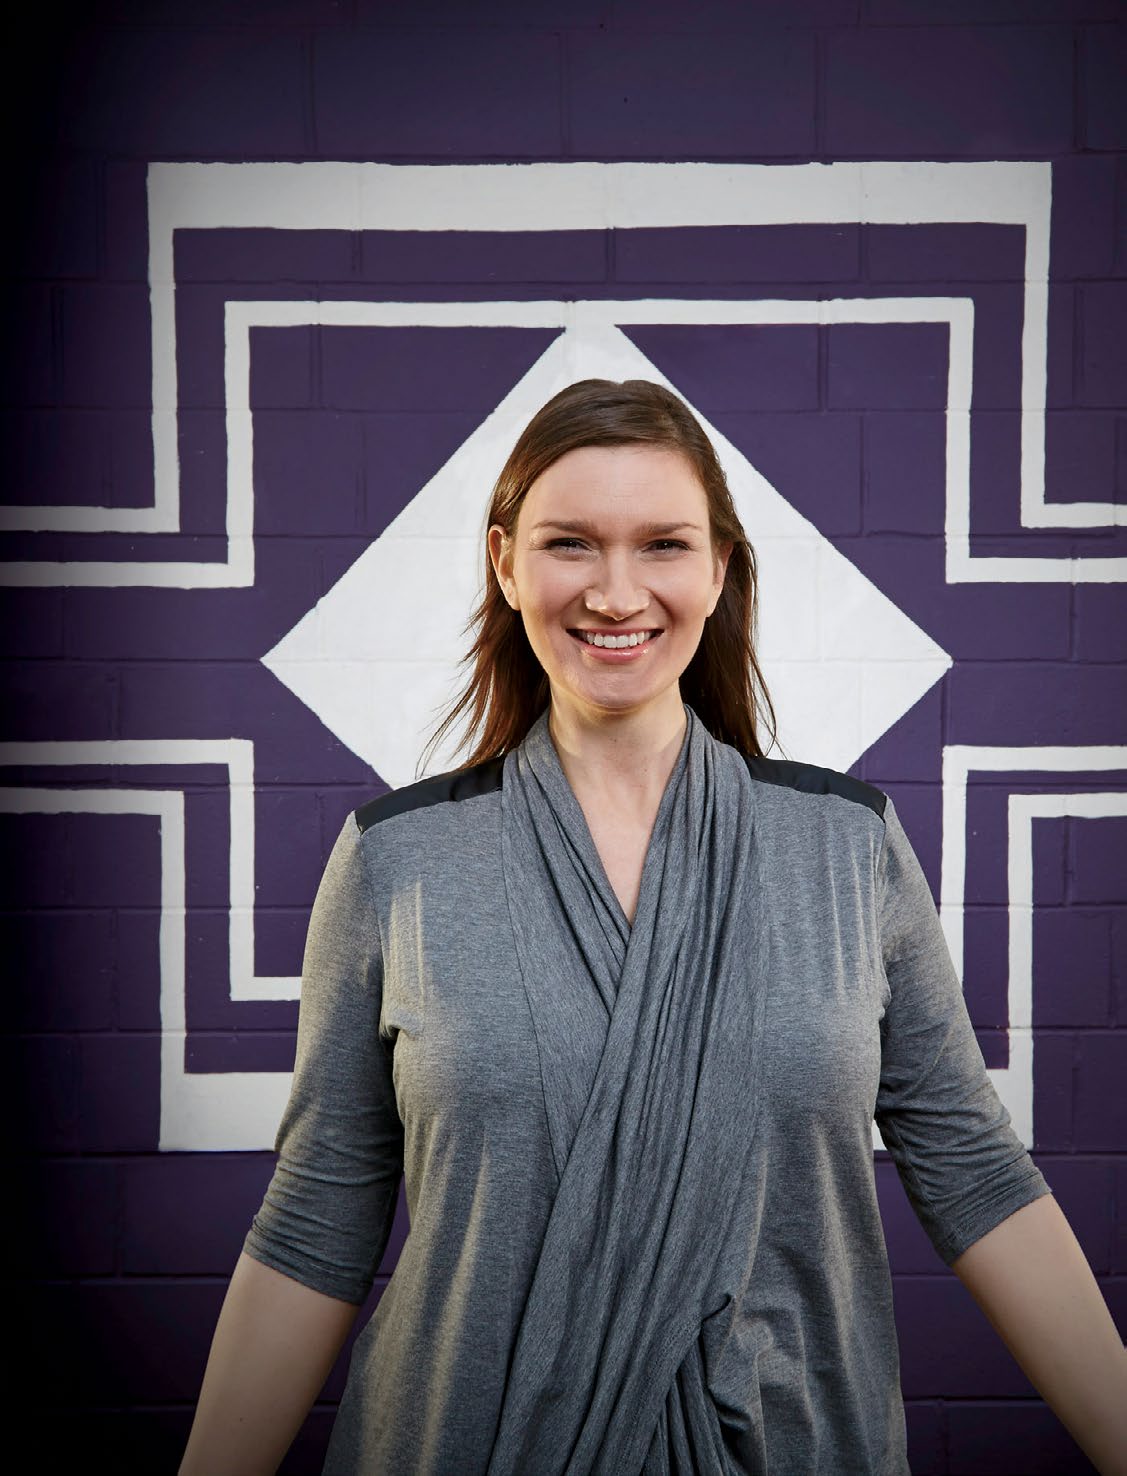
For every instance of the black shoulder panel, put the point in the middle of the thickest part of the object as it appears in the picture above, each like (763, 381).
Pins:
(458, 784)
(809, 779)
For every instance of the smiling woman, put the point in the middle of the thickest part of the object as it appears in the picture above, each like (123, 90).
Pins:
(619, 1000)
(614, 611)
(620, 586)
(614, 615)
(612, 517)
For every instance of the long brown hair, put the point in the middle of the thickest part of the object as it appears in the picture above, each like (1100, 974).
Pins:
(508, 688)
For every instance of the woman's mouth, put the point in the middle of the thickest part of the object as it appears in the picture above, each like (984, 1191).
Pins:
(615, 646)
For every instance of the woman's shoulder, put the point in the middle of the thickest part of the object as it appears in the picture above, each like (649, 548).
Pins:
(452, 787)
(812, 779)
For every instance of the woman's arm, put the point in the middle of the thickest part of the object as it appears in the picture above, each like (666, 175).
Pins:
(1030, 1276)
(274, 1345)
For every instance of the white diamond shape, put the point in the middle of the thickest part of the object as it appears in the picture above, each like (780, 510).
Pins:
(377, 658)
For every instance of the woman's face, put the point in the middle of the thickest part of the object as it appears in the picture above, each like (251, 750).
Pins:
(612, 541)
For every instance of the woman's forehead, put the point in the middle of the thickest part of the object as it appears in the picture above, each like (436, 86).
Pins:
(619, 482)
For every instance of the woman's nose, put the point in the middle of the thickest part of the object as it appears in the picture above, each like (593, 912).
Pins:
(616, 595)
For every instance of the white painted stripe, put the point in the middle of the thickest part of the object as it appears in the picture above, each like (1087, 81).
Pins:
(236, 755)
(580, 196)
(1015, 1083)
(204, 1112)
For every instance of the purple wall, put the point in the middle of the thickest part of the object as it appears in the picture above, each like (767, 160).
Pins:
(127, 1248)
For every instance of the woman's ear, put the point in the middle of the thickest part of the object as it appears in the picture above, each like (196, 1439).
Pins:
(500, 547)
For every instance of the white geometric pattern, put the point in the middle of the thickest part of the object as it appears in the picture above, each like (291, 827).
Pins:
(377, 656)
(1015, 1081)
(865, 663)
(576, 196)
(199, 1111)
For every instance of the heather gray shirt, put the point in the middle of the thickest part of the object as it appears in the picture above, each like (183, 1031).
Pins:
(418, 1055)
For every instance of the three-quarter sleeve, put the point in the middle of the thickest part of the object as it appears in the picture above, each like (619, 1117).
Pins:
(327, 1213)
(962, 1164)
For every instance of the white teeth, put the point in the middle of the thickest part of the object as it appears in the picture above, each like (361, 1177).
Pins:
(616, 642)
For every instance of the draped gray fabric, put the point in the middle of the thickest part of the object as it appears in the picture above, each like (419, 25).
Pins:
(649, 1041)
(645, 1234)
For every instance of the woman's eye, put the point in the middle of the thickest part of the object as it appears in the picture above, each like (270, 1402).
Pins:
(660, 544)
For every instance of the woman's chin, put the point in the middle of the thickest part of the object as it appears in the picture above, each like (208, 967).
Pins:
(610, 694)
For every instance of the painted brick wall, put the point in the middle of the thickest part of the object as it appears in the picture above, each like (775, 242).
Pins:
(122, 1250)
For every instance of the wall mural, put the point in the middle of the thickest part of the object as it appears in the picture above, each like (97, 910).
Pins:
(255, 562)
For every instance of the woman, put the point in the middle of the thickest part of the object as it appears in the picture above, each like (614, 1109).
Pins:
(621, 998)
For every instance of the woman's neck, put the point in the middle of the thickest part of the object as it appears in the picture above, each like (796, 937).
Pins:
(620, 761)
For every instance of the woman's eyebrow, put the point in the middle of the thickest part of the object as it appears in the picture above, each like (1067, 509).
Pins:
(650, 530)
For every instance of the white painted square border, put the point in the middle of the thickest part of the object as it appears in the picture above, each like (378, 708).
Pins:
(199, 1111)
(229, 1111)
(574, 196)
(1014, 1082)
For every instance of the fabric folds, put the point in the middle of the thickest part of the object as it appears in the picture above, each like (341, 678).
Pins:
(649, 1042)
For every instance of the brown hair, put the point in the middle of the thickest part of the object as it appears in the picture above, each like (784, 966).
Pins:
(508, 688)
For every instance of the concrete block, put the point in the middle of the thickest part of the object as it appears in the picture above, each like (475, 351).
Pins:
(1103, 368)
(425, 369)
(455, 94)
(59, 699)
(717, 367)
(1098, 861)
(1072, 967)
(67, 1209)
(555, 257)
(193, 93)
(186, 1214)
(893, 366)
(1104, 61)
(904, 483)
(32, 373)
(945, 253)
(282, 368)
(813, 460)
(1099, 623)
(728, 254)
(106, 346)
(660, 95)
(31, 623)
(42, 1092)
(1058, 703)
(119, 1084)
(892, 92)
(59, 963)
(1083, 241)
(1101, 1103)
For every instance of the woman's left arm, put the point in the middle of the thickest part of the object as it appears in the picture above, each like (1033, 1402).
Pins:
(987, 1208)
(1032, 1280)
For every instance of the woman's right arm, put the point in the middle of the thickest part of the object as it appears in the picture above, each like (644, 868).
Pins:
(274, 1345)
(313, 1248)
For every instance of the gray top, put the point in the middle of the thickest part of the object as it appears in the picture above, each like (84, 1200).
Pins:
(638, 1160)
